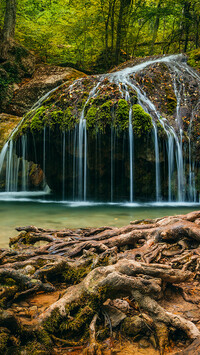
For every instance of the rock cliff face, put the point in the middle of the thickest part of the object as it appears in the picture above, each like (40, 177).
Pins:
(7, 124)
(22, 83)
(23, 79)
(129, 135)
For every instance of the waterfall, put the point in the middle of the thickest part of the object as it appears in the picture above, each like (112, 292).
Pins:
(112, 148)
(9, 168)
(82, 134)
(74, 163)
(131, 153)
(44, 153)
(131, 141)
(172, 160)
(157, 162)
(149, 107)
(3, 154)
(25, 164)
(10, 162)
(63, 165)
(82, 150)
(170, 151)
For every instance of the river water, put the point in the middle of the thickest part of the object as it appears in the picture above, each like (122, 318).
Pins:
(28, 210)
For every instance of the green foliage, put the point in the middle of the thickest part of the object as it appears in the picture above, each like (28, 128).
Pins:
(142, 122)
(122, 114)
(85, 33)
(194, 58)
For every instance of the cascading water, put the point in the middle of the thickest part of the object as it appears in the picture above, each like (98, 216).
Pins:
(63, 165)
(82, 148)
(131, 142)
(180, 175)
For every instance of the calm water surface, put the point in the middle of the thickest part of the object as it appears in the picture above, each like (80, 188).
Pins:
(50, 214)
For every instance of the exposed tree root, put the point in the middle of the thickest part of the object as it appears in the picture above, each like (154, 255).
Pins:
(132, 266)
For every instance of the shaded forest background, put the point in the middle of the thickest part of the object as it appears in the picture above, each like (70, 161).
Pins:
(95, 35)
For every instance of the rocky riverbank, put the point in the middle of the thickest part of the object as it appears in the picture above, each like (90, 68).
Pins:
(108, 290)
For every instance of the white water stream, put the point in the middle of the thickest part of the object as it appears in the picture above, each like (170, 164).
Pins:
(185, 189)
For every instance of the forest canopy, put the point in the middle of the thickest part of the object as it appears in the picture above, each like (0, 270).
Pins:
(98, 34)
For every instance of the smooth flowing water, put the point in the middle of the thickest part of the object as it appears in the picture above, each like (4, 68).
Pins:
(181, 179)
(49, 214)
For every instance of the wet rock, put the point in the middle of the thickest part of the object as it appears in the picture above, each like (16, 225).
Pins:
(122, 305)
(7, 124)
(33, 309)
(24, 304)
(134, 325)
(143, 343)
(28, 270)
(193, 349)
(45, 78)
(115, 315)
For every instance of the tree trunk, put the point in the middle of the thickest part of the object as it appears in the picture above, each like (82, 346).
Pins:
(124, 5)
(197, 31)
(156, 27)
(112, 25)
(9, 20)
(187, 23)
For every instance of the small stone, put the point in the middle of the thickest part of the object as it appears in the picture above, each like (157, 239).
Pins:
(33, 309)
(24, 304)
(143, 343)
(121, 304)
(28, 270)
(134, 325)
(22, 314)
(115, 315)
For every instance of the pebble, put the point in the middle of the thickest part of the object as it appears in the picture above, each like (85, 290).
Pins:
(24, 304)
(143, 343)
(33, 309)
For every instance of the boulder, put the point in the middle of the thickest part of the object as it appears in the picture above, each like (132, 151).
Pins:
(7, 124)
(45, 78)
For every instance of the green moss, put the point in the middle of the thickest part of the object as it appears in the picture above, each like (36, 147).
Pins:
(142, 121)
(56, 117)
(105, 114)
(122, 114)
(98, 118)
(69, 119)
(44, 338)
(77, 325)
(52, 324)
(171, 104)
(74, 276)
(34, 348)
(78, 315)
(91, 117)
(4, 337)
(37, 122)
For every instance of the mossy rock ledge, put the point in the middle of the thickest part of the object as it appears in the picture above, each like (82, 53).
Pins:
(109, 108)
